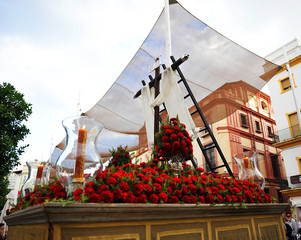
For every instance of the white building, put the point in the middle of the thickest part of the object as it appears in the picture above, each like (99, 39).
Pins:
(285, 93)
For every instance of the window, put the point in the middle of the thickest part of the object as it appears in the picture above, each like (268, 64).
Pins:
(294, 124)
(275, 166)
(270, 132)
(244, 120)
(264, 105)
(257, 126)
(211, 157)
(285, 84)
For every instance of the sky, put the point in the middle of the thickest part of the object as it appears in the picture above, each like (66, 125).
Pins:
(63, 55)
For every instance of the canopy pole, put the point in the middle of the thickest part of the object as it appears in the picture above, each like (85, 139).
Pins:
(167, 34)
(290, 76)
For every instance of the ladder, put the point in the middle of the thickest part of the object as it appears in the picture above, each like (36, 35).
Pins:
(175, 66)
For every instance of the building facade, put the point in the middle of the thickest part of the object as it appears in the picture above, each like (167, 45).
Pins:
(250, 127)
(285, 94)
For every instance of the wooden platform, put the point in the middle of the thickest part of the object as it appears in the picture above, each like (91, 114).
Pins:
(146, 222)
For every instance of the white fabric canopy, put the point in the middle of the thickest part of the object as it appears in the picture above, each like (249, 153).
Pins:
(215, 63)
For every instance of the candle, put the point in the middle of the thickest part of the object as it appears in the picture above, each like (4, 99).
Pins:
(248, 167)
(80, 155)
(39, 174)
(246, 162)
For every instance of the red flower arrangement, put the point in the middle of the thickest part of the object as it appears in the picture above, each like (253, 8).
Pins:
(173, 140)
(51, 192)
(120, 156)
(149, 183)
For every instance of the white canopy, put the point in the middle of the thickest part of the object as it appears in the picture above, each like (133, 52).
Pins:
(215, 62)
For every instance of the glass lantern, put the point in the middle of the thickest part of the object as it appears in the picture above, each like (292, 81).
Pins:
(80, 158)
(247, 168)
(35, 172)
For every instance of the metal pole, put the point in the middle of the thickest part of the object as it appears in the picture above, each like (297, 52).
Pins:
(156, 108)
(167, 34)
(290, 76)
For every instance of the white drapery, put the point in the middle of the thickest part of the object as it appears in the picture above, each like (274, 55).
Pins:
(173, 99)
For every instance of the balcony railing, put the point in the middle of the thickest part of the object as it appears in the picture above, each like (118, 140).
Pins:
(287, 134)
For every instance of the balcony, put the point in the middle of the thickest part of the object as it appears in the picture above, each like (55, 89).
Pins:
(289, 133)
(287, 137)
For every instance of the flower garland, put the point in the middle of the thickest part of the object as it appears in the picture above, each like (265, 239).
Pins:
(172, 140)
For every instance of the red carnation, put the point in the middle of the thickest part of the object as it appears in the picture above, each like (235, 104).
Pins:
(185, 151)
(173, 137)
(137, 189)
(148, 189)
(124, 186)
(168, 131)
(209, 198)
(192, 188)
(201, 199)
(200, 190)
(154, 198)
(167, 127)
(180, 135)
(167, 146)
(176, 145)
(59, 195)
(186, 199)
(178, 193)
(107, 196)
(142, 198)
(184, 189)
(158, 187)
(77, 198)
(163, 197)
(238, 198)
(78, 192)
(111, 181)
(89, 191)
(102, 187)
(173, 199)
(193, 199)
(128, 197)
(215, 190)
(164, 139)
(219, 199)
(90, 184)
(176, 128)
(183, 143)
(117, 194)
(162, 153)
(94, 198)
(236, 190)
(221, 187)
(227, 198)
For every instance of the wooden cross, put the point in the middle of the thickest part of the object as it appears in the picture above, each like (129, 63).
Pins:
(155, 82)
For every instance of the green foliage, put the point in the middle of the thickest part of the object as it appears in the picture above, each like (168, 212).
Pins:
(13, 111)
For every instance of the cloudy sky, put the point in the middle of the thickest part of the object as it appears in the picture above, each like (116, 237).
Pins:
(61, 52)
